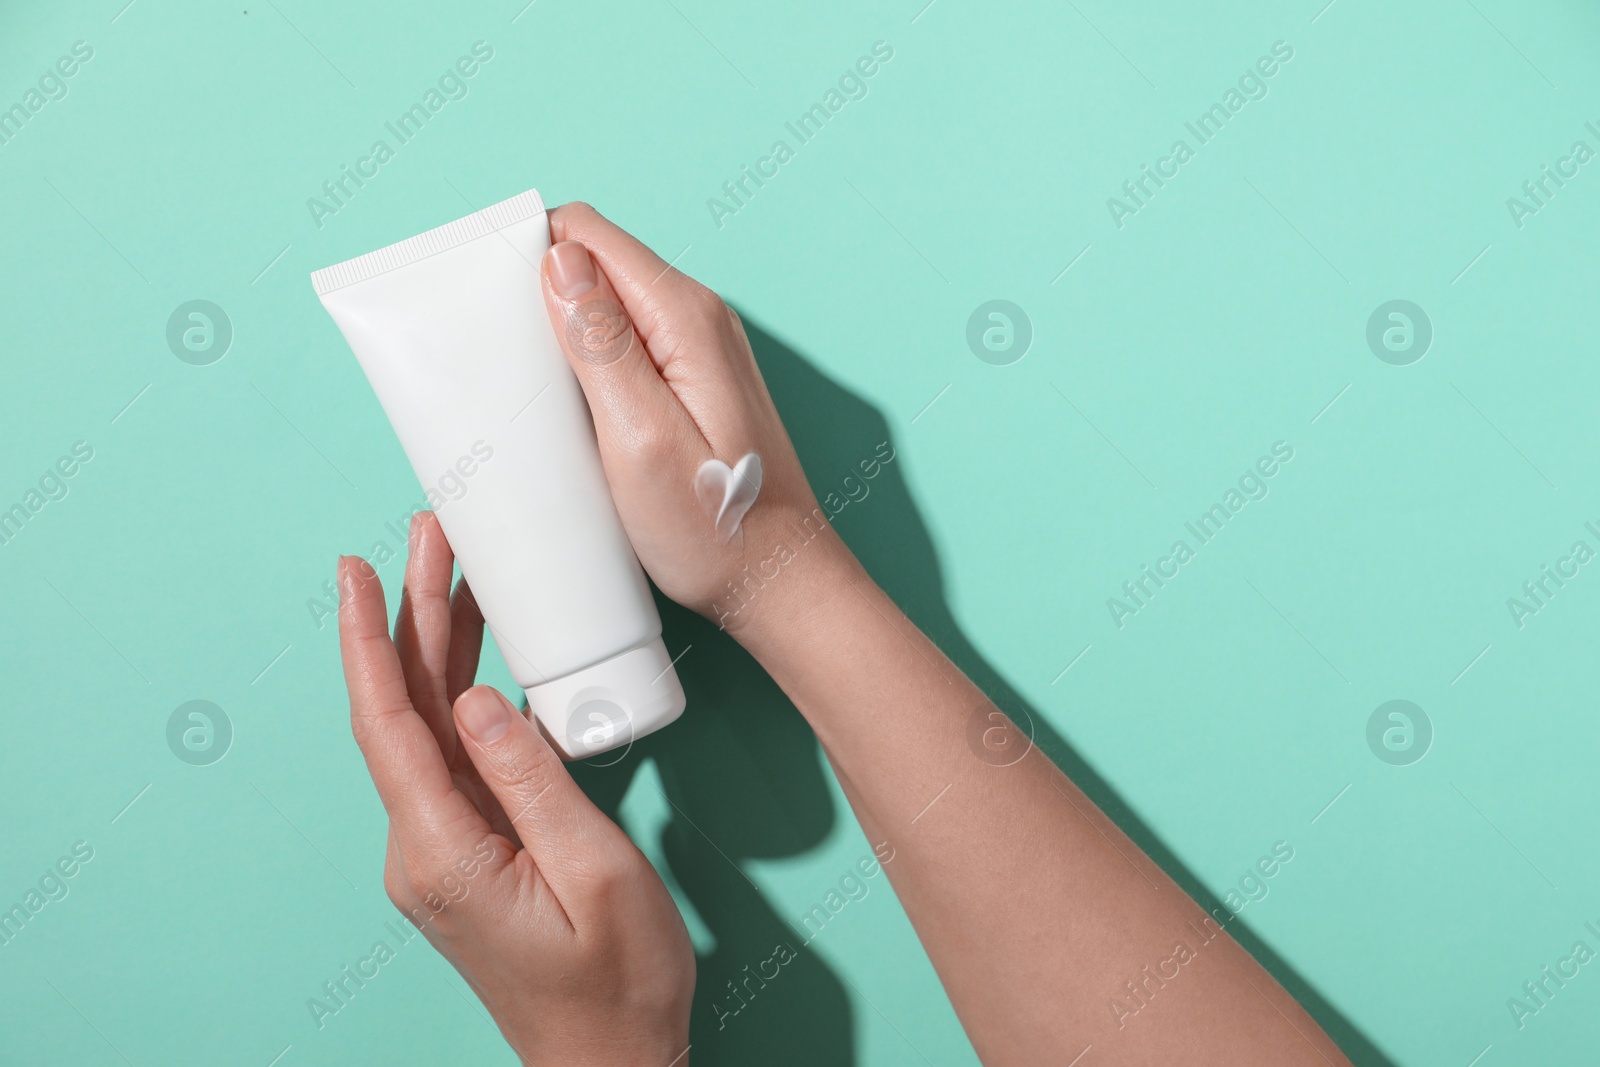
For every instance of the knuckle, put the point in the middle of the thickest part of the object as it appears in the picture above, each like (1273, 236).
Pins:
(397, 888)
(610, 872)
(417, 882)
(654, 446)
(569, 214)
(364, 731)
(526, 771)
(732, 335)
(707, 304)
(367, 724)
(359, 729)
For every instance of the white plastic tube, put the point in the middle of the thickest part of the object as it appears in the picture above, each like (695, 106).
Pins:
(452, 332)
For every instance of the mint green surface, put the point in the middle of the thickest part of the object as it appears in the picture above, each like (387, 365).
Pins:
(1228, 313)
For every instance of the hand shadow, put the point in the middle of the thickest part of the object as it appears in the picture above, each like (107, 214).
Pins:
(745, 776)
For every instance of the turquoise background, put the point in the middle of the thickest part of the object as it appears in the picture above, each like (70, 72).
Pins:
(1228, 314)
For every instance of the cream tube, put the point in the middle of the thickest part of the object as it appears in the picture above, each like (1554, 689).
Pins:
(452, 332)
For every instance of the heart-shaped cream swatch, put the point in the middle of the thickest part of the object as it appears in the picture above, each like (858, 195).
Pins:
(726, 493)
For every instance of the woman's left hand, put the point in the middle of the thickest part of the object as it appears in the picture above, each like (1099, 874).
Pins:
(544, 905)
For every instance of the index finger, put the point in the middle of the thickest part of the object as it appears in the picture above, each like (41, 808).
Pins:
(653, 291)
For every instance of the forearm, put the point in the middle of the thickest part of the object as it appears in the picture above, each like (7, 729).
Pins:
(1035, 909)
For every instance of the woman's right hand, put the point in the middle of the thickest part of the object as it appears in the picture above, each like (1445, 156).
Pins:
(672, 383)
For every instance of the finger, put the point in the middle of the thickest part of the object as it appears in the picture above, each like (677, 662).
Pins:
(422, 628)
(652, 290)
(402, 756)
(466, 646)
(560, 827)
(694, 340)
(634, 409)
(466, 642)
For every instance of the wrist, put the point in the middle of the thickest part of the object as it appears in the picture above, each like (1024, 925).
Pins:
(794, 567)
(623, 1047)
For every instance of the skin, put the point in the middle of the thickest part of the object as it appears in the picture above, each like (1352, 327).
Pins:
(544, 906)
(1038, 913)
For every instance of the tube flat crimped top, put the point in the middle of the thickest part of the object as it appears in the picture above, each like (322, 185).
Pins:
(442, 239)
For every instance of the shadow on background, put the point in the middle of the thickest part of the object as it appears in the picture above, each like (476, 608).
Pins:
(745, 777)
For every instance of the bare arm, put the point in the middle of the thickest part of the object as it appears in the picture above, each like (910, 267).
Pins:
(1051, 931)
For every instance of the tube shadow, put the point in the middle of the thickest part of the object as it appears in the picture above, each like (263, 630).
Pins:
(746, 779)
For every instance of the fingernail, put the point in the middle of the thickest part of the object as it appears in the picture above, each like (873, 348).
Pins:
(484, 714)
(571, 270)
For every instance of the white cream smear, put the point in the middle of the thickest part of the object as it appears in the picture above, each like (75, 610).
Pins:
(726, 493)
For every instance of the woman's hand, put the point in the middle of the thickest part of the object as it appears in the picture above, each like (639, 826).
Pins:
(672, 383)
(546, 908)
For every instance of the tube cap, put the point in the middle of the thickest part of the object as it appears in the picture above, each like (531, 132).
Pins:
(610, 704)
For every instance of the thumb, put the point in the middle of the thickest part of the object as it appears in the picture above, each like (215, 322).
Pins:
(633, 408)
(559, 826)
